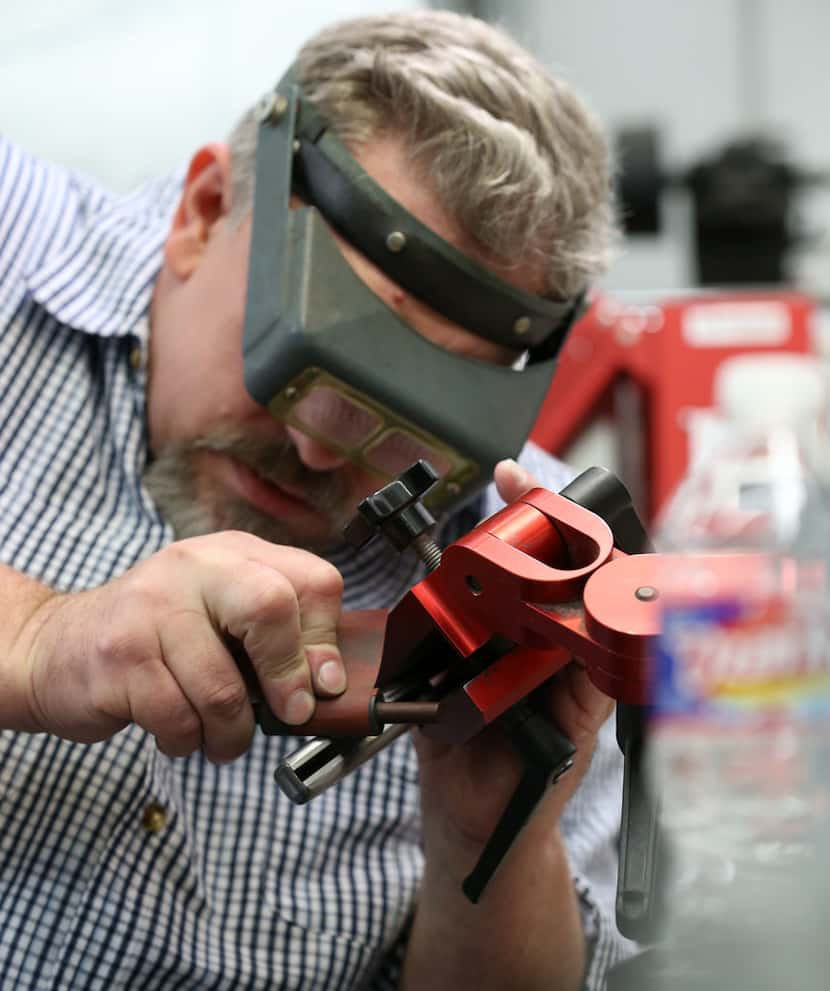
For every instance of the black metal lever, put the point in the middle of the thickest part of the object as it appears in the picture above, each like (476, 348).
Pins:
(639, 905)
(547, 754)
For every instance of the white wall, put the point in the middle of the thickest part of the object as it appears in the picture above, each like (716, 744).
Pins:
(123, 91)
(705, 71)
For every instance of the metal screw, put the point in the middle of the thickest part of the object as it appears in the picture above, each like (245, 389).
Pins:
(396, 242)
(647, 593)
(271, 107)
(290, 392)
(522, 325)
(264, 107)
(295, 146)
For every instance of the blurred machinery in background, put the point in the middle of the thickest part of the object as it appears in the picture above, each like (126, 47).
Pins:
(743, 197)
(644, 370)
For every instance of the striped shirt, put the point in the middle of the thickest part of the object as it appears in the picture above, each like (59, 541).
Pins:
(119, 867)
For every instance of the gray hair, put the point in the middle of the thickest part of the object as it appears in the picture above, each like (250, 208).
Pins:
(511, 153)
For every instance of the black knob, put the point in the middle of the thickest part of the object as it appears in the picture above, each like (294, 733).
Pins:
(395, 511)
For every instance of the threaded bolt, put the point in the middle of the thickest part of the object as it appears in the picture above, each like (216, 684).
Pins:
(428, 551)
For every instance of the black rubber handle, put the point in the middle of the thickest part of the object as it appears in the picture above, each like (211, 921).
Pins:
(547, 754)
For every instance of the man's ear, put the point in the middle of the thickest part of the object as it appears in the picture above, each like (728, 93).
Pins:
(205, 199)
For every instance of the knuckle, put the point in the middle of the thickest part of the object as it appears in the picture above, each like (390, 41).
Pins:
(176, 747)
(235, 542)
(108, 647)
(179, 732)
(586, 724)
(178, 744)
(117, 647)
(180, 723)
(179, 553)
(319, 635)
(225, 751)
(325, 579)
(144, 594)
(278, 668)
(271, 603)
(225, 701)
(583, 729)
(239, 537)
(100, 694)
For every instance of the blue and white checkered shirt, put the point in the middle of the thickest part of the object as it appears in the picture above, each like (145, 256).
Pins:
(238, 888)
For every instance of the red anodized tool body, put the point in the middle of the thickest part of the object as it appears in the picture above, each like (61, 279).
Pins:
(544, 574)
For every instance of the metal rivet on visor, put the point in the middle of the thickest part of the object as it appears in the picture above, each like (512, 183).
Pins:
(396, 241)
(271, 107)
(522, 325)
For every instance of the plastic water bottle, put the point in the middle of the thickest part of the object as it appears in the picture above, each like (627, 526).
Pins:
(739, 741)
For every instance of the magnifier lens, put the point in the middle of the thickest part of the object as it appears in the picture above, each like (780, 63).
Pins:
(334, 417)
(370, 434)
(396, 450)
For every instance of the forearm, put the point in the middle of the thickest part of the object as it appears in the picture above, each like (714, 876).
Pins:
(22, 601)
(525, 933)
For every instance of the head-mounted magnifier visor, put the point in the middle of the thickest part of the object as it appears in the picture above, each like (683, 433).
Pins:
(328, 357)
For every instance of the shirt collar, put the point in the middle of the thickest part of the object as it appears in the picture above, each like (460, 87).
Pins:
(100, 279)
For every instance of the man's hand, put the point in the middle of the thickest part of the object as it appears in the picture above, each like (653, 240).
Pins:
(529, 905)
(149, 647)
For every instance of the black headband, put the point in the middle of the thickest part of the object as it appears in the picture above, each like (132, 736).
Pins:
(409, 253)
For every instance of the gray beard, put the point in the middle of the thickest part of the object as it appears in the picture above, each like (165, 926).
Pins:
(193, 510)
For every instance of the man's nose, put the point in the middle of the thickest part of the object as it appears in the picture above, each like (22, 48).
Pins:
(315, 454)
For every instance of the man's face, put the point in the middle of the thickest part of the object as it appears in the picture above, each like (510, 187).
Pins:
(221, 461)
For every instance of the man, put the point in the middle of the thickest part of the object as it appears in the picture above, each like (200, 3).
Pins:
(144, 844)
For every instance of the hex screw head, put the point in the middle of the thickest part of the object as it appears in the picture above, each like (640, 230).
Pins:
(396, 241)
(271, 107)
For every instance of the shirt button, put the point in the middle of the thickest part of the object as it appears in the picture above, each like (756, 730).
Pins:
(154, 818)
(136, 358)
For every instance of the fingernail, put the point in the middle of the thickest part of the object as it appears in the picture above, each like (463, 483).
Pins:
(299, 707)
(332, 677)
(520, 476)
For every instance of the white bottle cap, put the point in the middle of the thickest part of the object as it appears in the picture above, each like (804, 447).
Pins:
(768, 388)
